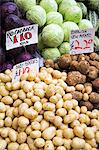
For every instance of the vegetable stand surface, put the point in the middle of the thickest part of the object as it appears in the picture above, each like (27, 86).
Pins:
(40, 112)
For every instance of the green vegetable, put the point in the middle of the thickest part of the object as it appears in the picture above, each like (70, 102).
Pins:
(65, 4)
(37, 15)
(67, 27)
(25, 5)
(83, 8)
(73, 13)
(93, 17)
(54, 17)
(40, 44)
(64, 48)
(93, 5)
(85, 24)
(49, 5)
(96, 43)
(52, 35)
(58, 1)
(51, 53)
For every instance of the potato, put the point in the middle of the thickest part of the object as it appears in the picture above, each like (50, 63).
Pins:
(87, 146)
(49, 133)
(61, 112)
(69, 118)
(44, 125)
(15, 123)
(24, 146)
(58, 141)
(3, 144)
(21, 138)
(13, 146)
(49, 115)
(7, 100)
(39, 142)
(49, 145)
(97, 136)
(4, 132)
(89, 133)
(2, 107)
(68, 133)
(12, 135)
(35, 134)
(23, 121)
(30, 143)
(61, 148)
(28, 130)
(35, 125)
(78, 131)
(67, 143)
(1, 123)
(22, 108)
(57, 121)
(30, 113)
(49, 106)
(78, 143)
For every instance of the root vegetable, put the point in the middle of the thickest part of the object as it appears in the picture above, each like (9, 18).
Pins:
(75, 77)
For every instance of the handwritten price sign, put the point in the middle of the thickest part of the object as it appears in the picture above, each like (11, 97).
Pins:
(25, 67)
(21, 36)
(81, 41)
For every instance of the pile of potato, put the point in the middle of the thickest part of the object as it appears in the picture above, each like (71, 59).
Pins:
(83, 73)
(40, 113)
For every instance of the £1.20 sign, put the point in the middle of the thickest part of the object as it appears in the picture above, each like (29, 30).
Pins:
(22, 36)
(82, 41)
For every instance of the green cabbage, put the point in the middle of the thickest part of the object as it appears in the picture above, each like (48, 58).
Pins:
(52, 35)
(51, 53)
(54, 17)
(65, 4)
(64, 48)
(37, 15)
(67, 27)
(85, 24)
(58, 1)
(40, 44)
(73, 13)
(49, 5)
(25, 5)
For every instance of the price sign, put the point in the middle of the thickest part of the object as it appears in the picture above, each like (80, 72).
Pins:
(25, 67)
(81, 41)
(21, 36)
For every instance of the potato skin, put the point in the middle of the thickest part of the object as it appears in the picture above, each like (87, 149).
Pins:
(77, 95)
(64, 61)
(88, 104)
(83, 67)
(75, 77)
(94, 97)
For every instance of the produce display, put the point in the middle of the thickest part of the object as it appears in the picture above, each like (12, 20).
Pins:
(83, 73)
(55, 18)
(39, 112)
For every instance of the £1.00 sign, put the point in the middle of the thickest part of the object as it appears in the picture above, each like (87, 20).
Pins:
(82, 41)
(22, 36)
(25, 67)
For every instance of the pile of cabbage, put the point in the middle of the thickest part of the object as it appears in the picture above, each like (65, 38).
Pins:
(56, 19)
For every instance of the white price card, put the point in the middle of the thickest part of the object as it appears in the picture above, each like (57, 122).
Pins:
(25, 67)
(22, 36)
(82, 41)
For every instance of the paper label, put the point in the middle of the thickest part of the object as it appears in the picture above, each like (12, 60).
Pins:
(25, 67)
(82, 41)
(22, 36)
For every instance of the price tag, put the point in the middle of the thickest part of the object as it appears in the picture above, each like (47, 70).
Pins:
(21, 36)
(82, 41)
(25, 67)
